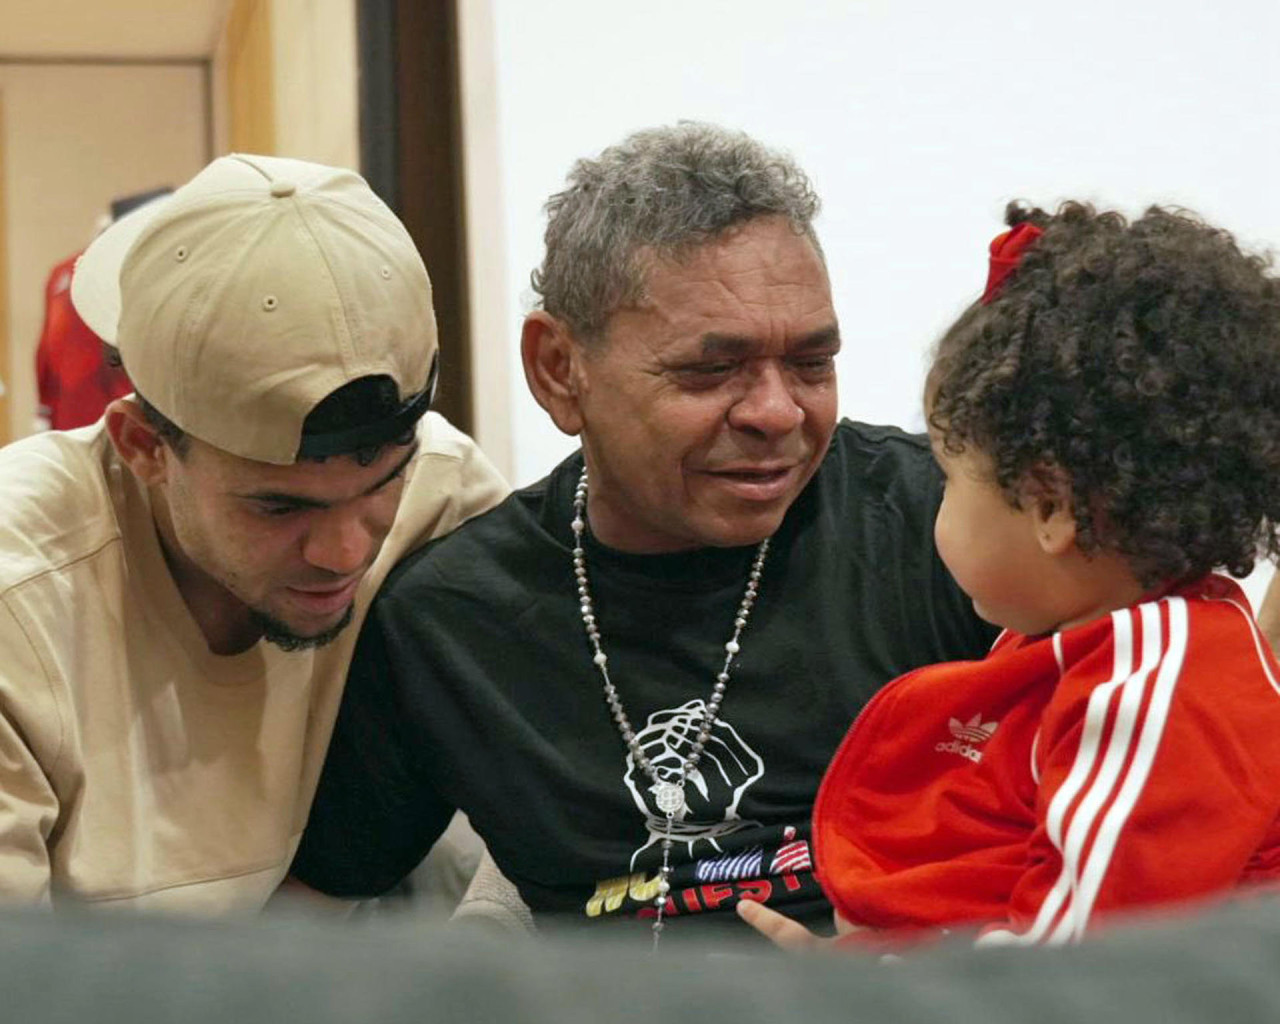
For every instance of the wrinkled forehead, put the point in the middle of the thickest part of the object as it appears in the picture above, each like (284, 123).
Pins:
(764, 267)
(764, 232)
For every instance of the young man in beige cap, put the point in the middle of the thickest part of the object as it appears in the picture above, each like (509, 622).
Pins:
(181, 584)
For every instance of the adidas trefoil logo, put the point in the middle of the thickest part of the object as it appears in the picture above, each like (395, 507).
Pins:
(975, 732)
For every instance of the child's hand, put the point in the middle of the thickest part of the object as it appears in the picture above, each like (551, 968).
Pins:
(778, 928)
(784, 932)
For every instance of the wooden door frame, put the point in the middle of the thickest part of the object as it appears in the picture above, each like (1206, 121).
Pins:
(6, 370)
(411, 154)
(250, 78)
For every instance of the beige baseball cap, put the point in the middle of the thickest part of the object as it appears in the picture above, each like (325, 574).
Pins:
(256, 290)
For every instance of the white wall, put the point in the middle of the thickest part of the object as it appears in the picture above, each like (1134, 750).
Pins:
(917, 122)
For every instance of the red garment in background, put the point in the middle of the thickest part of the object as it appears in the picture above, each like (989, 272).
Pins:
(74, 378)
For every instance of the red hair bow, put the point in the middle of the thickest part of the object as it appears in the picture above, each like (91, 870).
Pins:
(1006, 253)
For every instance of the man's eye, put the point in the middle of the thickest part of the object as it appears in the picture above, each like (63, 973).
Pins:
(816, 365)
(276, 511)
(706, 373)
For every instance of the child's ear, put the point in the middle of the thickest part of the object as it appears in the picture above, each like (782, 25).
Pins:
(1049, 497)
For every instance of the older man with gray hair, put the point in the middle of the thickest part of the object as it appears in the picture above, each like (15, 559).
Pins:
(632, 674)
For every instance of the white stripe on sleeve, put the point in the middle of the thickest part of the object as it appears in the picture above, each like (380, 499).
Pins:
(1132, 683)
(1139, 769)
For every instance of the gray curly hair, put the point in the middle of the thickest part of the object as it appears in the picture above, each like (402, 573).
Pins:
(660, 192)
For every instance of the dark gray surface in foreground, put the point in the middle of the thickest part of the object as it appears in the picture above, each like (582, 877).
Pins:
(1221, 967)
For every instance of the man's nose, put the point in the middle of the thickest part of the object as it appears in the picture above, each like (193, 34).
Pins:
(768, 407)
(340, 542)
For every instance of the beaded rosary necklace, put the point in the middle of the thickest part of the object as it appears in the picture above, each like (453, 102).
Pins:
(668, 794)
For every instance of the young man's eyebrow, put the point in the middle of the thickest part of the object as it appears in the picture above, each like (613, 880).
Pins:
(301, 501)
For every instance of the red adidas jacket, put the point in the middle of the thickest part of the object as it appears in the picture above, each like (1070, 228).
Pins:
(1129, 761)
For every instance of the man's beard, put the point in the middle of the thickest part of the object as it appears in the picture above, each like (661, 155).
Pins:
(276, 632)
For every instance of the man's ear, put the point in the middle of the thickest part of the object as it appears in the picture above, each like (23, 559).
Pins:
(1048, 494)
(550, 356)
(136, 441)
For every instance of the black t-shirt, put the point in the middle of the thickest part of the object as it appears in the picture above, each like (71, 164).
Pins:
(472, 687)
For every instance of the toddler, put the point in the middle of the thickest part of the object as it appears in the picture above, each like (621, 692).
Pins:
(1107, 418)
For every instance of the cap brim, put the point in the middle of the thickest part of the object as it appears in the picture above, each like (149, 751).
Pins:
(95, 284)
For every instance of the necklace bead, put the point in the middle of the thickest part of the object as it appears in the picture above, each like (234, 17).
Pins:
(668, 792)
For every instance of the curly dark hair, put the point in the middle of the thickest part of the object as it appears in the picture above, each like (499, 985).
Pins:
(1142, 360)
